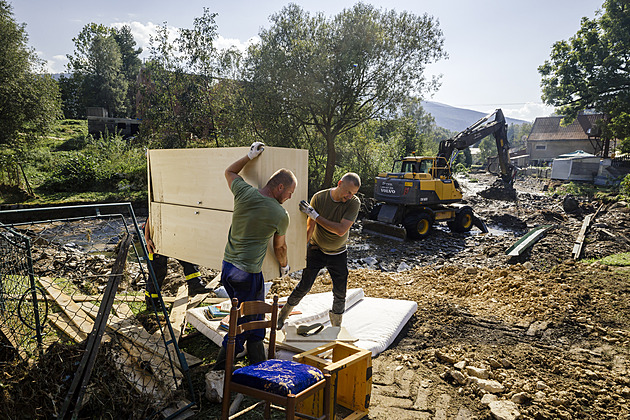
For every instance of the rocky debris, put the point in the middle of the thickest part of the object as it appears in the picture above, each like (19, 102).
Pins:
(542, 337)
(504, 410)
(499, 190)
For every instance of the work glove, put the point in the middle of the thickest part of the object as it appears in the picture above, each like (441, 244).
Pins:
(308, 210)
(284, 270)
(256, 149)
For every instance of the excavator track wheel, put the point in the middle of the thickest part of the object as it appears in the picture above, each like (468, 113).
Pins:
(463, 221)
(418, 225)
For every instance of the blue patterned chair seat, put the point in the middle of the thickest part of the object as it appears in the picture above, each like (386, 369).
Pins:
(280, 377)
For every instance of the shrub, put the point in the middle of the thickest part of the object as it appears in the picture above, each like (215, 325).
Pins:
(78, 173)
(105, 164)
(624, 188)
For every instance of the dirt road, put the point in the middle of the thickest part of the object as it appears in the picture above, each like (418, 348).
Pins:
(542, 337)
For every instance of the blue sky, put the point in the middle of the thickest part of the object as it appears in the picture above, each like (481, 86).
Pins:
(494, 47)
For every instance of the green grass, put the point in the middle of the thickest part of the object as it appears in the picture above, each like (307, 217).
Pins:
(113, 169)
(617, 260)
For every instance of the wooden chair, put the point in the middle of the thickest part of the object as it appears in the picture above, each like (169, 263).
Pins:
(280, 382)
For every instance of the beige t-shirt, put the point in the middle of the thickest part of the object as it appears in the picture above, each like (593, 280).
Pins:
(335, 211)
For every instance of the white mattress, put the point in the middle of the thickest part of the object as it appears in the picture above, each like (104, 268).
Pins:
(375, 322)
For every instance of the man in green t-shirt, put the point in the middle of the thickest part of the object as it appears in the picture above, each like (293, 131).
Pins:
(258, 216)
(331, 214)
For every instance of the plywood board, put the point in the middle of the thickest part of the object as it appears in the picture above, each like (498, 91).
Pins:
(178, 313)
(191, 203)
(75, 314)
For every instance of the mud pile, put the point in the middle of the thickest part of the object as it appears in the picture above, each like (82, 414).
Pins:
(499, 190)
(538, 337)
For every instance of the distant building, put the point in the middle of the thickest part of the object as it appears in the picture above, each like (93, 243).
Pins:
(549, 139)
(99, 123)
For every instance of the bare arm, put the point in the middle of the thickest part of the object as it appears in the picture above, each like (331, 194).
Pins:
(310, 228)
(147, 237)
(280, 249)
(232, 171)
(338, 228)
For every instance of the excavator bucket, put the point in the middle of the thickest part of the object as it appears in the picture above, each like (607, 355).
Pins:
(384, 229)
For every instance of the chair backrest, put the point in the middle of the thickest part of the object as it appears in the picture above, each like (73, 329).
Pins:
(254, 308)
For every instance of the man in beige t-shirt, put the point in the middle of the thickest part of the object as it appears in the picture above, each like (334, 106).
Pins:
(331, 214)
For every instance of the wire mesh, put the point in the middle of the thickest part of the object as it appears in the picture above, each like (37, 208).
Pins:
(21, 304)
(53, 275)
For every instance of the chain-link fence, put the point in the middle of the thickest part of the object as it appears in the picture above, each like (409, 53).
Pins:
(72, 283)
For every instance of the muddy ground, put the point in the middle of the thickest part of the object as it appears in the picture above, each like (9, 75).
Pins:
(536, 337)
(539, 337)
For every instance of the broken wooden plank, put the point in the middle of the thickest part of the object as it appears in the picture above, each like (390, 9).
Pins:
(10, 336)
(119, 298)
(138, 377)
(578, 246)
(158, 367)
(178, 313)
(63, 324)
(74, 312)
(529, 239)
(132, 330)
(82, 376)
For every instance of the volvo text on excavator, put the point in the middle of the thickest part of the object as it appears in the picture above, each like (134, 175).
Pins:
(424, 191)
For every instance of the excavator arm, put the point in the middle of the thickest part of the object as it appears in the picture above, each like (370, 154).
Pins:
(480, 129)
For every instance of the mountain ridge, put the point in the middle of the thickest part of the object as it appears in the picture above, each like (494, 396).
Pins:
(458, 119)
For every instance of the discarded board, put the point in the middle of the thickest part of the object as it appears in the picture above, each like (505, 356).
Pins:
(119, 298)
(191, 204)
(178, 313)
(578, 247)
(160, 368)
(529, 239)
(74, 312)
(138, 377)
(63, 323)
(579, 242)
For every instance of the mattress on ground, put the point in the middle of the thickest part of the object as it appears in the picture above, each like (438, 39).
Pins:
(374, 322)
(313, 307)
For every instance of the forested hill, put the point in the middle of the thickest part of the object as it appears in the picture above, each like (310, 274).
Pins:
(457, 119)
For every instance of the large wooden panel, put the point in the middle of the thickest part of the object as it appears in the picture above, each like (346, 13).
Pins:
(191, 204)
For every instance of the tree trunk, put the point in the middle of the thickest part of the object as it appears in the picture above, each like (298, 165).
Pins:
(331, 159)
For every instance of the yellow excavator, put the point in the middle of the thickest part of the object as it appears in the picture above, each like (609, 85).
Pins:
(423, 191)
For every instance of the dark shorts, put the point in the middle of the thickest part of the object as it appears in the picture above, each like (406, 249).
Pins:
(245, 287)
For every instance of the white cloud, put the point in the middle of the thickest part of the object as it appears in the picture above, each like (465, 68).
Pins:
(142, 32)
(527, 111)
(225, 43)
(57, 64)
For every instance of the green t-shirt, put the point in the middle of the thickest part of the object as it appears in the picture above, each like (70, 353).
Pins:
(322, 202)
(255, 220)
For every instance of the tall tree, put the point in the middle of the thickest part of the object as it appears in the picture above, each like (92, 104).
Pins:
(105, 83)
(332, 75)
(29, 99)
(104, 68)
(592, 70)
(187, 88)
(131, 65)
